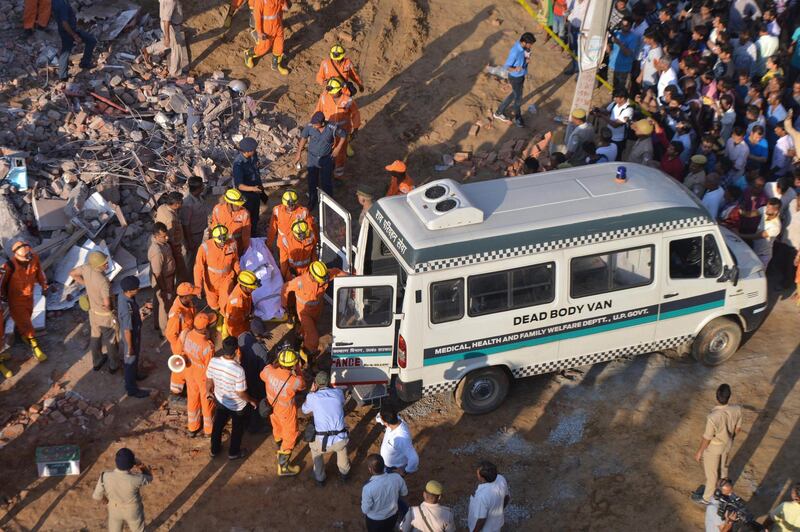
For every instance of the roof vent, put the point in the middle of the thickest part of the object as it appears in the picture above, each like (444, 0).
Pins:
(443, 204)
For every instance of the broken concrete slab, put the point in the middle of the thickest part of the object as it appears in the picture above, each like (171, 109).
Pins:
(50, 214)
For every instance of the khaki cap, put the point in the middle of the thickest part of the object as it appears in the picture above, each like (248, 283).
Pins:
(643, 127)
(434, 488)
(699, 159)
(97, 259)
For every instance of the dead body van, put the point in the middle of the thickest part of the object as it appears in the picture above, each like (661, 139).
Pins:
(465, 287)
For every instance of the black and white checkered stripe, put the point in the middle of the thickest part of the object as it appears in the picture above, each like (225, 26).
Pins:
(541, 247)
(558, 365)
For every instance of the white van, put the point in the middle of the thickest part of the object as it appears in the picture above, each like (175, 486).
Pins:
(464, 287)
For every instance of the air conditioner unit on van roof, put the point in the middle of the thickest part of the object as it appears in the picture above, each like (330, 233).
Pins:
(443, 204)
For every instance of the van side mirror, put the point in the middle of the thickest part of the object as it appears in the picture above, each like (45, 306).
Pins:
(729, 274)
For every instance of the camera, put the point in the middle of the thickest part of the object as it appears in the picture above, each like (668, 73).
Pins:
(734, 505)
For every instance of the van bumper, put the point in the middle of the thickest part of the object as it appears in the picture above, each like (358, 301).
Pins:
(408, 391)
(754, 316)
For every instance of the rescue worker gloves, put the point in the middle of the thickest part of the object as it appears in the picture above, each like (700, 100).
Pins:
(203, 320)
(318, 271)
(289, 198)
(287, 358)
(337, 52)
(334, 86)
(249, 280)
(219, 234)
(301, 230)
(22, 251)
(234, 197)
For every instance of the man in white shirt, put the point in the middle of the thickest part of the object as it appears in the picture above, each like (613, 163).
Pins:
(714, 196)
(737, 151)
(380, 496)
(666, 76)
(790, 239)
(784, 152)
(429, 516)
(648, 76)
(769, 227)
(327, 406)
(488, 504)
(618, 115)
(767, 45)
(397, 448)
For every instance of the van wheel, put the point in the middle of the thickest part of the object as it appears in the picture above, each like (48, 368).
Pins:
(482, 390)
(717, 342)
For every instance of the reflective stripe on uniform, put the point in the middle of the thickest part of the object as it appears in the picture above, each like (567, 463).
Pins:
(218, 271)
(299, 262)
(309, 303)
(269, 17)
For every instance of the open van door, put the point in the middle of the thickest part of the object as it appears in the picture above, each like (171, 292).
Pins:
(364, 331)
(335, 230)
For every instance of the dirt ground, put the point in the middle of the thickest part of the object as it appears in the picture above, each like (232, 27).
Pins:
(611, 449)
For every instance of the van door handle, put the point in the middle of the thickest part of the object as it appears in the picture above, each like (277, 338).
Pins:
(343, 343)
(667, 296)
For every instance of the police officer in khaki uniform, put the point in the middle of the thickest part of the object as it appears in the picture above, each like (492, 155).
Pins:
(194, 218)
(169, 215)
(722, 425)
(429, 515)
(162, 274)
(121, 489)
(102, 324)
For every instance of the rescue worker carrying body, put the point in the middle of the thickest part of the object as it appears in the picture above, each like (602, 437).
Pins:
(283, 381)
(180, 319)
(400, 183)
(216, 267)
(339, 108)
(19, 275)
(286, 213)
(297, 251)
(308, 291)
(268, 19)
(198, 349)
(230, 212)
(339, 66)
(237, 307)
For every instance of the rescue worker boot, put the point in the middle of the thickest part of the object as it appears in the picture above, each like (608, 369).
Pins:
(220, 322)
(228, 19)
(7, 373)
(249, 60)
(277, 64)
(37, 351)
(284, 468)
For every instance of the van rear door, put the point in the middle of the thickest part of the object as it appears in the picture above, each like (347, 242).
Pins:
(364, 332)
(335, 230)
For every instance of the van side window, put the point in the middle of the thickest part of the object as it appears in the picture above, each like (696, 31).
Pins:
(365, 306)
(609, 272)
(447, 300)
(511, 289)
(691, 258)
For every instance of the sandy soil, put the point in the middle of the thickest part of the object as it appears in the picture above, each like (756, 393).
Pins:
(611, 449)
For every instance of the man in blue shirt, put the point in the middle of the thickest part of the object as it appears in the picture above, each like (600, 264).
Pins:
(325, 140)
(625, 46)
(247, 179)
(517, 66)
(130, 332)
(69, 33)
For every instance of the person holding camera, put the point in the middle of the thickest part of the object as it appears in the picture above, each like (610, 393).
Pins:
(724, 509)
(120, 489)
(722, 425)
(326, 404)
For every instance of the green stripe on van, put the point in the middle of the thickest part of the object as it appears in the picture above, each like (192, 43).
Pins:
(690, 310)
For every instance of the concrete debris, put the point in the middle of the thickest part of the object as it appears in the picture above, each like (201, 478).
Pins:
(58, 408)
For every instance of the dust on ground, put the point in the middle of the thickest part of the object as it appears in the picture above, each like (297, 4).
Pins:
(610, 449)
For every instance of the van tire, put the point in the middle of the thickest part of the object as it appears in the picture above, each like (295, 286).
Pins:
(482, 390)
(717, 342)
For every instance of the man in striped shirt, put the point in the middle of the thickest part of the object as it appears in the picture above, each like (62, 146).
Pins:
(226, 385)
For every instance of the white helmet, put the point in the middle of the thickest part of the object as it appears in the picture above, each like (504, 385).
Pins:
(238, 86)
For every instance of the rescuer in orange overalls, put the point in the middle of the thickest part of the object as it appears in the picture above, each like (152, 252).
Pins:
(20, 274)
(180, 319)
(198, 349)
(282, 381)
(233, 8)
(400, 182)
(297, 251)
(308, 290)
(216, 267)
(268, 19)
(339, 108)
(338, 66)
(237, 307)
(287, 212)
(231, 213)
(36, 13)
(7, 373)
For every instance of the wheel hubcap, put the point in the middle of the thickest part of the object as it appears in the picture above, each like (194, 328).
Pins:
(718, 343)
(482, 389)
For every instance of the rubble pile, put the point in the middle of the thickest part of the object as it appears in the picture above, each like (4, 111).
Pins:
(85, 163)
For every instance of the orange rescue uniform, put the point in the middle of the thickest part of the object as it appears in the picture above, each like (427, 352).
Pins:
(215, 270)
(237, 308)
(342, 111)
(308, 296)
(198, 350)
(296, 255)
(36, 12)
(268, 18)
(180, 319)
(338, 69)
(284, 413)
(280, 224)
(396, 188)
(237, 222)
(18, 281)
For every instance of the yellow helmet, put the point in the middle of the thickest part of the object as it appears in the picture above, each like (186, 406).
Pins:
(337, 52)
(289, 198)
(219, 233)
(318, 271)
(287, 357)
(234, 197)
(301, 230)
(248, 279)
(334, 86)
